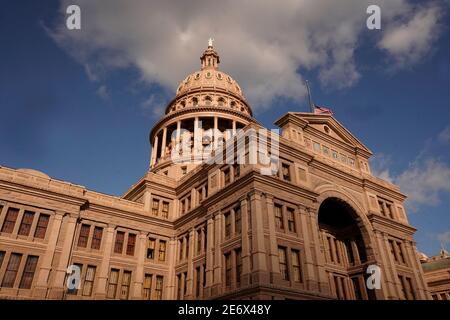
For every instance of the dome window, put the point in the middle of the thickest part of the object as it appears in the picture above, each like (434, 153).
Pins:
(221, 102)
(197, 76)
(219, 76)
(208, 100)
(208, 75)
(194, 102)
(233, 104)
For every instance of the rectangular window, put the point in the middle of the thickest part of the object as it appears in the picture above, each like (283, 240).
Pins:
(326, 151)
(197, 281)
(11, 270)
(392, 247)
(112, 284)
(237, 170)
(28, 272)
(204, 275)
(357, 288)
(343, 158)
(285, 171)
(400, 252)
(351, 162)
(228, 269)
(131, 244)
(237, 220)
(316, 146)
(10, 220)
(295, 256)
(238, 266)
(25, 225)
(155, 207)
(89, 281)
(279, 217)
(226, 176)
(361, 249)
(330, 249)
(283, 263)
(147, 287)
(187, 247)
(162, 250)
(159, 287)
(407, 287)
(389, 210)
(227, 225)
(118, 245)
(380, 205)
(125, 287)
(151, 248)
(348, 247)
(334, 154)
(2, 256)
(183, 206)
(199, 241)
(165, 210)
(41, 227)
(308, 143)
(337, 250)
(179, 286)
(180, 245)
(97, 238)
(200, 194)
(188, 203)
(291, 219)
(84, 235)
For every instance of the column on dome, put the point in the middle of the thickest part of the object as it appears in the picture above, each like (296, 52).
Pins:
(154, 151)
(163, 143)
(215, 133)
(197, 139)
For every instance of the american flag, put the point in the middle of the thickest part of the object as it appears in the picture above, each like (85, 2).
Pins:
(322, 110)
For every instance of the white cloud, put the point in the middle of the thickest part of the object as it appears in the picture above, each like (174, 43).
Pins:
(103, 92)
(444, 136)
(444, 237)
(380, 164)
(262, 44)
(425, 182)
(410, 40)
(154, 105)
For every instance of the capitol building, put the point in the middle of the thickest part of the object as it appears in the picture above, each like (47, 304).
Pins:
(205, 222)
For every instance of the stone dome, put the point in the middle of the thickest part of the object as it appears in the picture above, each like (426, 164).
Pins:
(209, 86)
(209, 79)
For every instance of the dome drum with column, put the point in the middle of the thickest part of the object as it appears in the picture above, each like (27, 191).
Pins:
(207, 102)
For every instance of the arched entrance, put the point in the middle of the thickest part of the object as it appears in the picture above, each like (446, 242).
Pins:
(344, 249)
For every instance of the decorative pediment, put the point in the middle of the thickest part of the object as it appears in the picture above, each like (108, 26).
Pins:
(323, 125)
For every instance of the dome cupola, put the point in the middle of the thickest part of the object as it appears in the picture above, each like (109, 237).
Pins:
(206, 101)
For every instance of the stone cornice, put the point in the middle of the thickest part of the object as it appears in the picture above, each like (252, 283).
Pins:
(381, 223)
(381, 187)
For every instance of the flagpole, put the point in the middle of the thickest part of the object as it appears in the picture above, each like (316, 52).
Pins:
(311, 106)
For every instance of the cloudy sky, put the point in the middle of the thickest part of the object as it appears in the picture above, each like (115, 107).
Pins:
(78, 105)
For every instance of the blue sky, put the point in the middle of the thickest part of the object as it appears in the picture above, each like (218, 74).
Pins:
(68, 113)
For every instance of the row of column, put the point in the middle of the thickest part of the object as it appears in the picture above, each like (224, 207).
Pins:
(197, 138)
